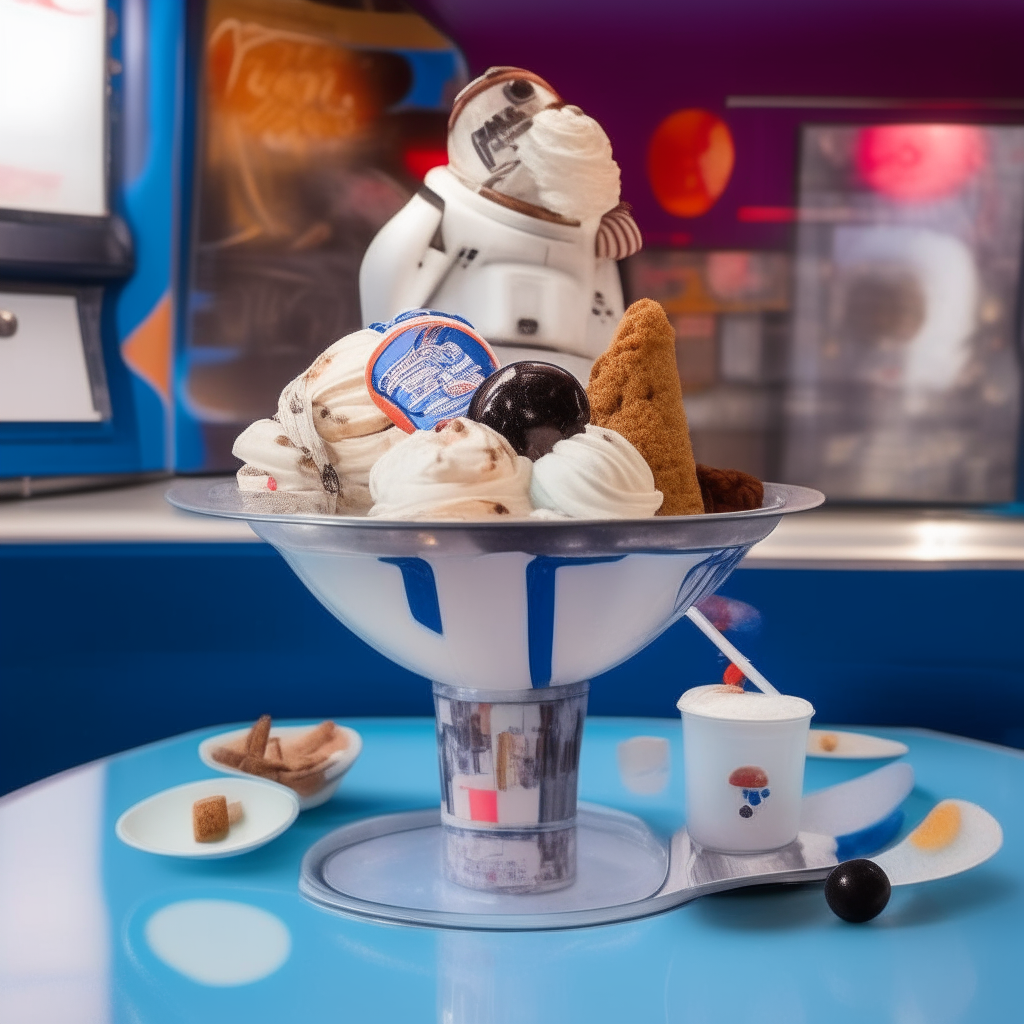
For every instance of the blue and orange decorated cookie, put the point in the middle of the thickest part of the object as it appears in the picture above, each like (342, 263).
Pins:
(426, 368)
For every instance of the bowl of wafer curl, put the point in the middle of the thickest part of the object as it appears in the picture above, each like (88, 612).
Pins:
(311, 760)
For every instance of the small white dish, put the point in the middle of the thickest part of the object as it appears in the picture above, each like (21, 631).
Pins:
(336, 766)
(163, 823)
(852, 746)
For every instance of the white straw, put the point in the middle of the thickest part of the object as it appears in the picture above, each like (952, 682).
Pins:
(742, 663)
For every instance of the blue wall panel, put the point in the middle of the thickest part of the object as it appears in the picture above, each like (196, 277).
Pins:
(104, 647)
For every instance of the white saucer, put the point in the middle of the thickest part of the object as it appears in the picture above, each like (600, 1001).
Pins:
(336, 766)
(163, 823)
(853, 746)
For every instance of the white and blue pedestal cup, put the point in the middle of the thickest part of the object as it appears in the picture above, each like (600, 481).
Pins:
(524, 611)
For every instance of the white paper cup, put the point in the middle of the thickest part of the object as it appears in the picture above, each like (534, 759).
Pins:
(743, 758)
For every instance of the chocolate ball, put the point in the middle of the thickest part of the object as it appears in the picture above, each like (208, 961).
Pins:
(857, 890)
(532, 405)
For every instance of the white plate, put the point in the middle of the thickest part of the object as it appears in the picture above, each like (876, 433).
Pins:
(337, 764)
(163, 823)
(853, 746)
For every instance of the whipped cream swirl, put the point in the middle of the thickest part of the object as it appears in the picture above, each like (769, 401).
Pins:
(565, 165)
(465, 470)
(595, 475)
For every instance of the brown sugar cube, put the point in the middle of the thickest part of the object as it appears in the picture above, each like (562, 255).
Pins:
(634, 389)
(829, 741)
(256, 742)
(210, 819)
(729, 490)
(235, 812)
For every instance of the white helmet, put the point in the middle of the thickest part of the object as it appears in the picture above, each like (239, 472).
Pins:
(488, 116)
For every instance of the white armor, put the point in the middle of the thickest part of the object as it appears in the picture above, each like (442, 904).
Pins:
(526, 277)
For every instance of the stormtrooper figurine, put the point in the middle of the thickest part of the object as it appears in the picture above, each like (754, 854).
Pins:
(519, 233)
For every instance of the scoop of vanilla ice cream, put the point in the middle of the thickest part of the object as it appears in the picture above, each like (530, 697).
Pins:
(325, 437)
(353, 458)
(565, 165)
(335, 389)
(278, 476)
(270, 453)
(465, 470)
(595, 475)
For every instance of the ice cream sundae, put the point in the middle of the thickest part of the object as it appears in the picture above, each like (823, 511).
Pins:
(413, 419)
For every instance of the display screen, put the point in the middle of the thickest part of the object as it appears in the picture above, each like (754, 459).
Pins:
(904, 381)
(317, 123)
(52, 106)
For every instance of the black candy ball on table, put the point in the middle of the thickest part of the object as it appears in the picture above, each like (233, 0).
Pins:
(532, 405)
(857, 890)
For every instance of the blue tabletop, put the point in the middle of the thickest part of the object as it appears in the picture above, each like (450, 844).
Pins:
(92, 930)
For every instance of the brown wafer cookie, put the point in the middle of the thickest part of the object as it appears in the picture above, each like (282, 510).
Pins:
(225, 755)
(312, 740)
(256, 742)
(257, 766)
(304, 783)
(729, 490)
(634, 389)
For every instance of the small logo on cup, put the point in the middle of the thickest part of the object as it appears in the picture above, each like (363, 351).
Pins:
(752, 782)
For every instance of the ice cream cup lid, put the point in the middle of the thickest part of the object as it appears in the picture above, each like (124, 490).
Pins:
(426, 368)
(728, 703)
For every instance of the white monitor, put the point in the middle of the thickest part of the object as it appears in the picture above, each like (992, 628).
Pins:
(53, 107)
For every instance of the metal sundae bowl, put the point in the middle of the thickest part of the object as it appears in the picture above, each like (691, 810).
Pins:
(509, 620)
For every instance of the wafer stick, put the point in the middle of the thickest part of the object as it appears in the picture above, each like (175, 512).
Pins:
(256, 742)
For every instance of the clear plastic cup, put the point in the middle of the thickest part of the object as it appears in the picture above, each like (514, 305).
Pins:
(743, 758)
(509, 764)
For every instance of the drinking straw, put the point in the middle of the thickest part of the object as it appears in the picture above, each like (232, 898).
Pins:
(743, 664)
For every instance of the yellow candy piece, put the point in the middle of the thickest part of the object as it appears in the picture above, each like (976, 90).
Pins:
(939, 829)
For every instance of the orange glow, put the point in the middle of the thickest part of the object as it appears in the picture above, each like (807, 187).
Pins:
(919, 162)
(690, 161)
(291, 91)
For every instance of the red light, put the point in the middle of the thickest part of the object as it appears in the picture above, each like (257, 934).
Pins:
(919, 162)
(766, 214)
(419, 161)
(690, 161)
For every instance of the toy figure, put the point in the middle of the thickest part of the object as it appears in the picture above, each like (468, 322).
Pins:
(519, 233)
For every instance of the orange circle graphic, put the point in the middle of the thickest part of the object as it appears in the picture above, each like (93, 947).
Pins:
(689, 161)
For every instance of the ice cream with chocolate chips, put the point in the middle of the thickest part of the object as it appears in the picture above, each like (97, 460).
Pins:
(462, 470)
(316, 453)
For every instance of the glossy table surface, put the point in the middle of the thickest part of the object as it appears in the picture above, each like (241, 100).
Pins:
(92, 930)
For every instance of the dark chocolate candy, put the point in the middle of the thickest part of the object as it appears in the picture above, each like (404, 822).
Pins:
(857, 890)
(532, 405)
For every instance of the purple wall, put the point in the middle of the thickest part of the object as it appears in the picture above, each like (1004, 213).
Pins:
(630, 63)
